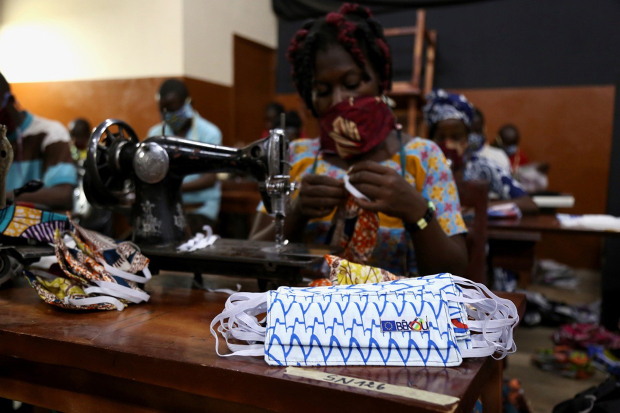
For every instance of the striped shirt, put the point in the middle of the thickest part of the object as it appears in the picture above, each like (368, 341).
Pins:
(42, 153)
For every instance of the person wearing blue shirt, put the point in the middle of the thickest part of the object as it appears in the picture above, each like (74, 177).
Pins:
(200, 191)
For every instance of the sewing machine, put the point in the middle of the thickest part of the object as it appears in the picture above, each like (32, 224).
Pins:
(119, 165)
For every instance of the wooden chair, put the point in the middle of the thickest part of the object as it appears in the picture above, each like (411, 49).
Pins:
(413, 92)
(475, 195)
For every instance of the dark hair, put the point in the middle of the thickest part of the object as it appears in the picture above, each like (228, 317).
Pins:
(478, 112)
(278, 108)
(292, 119)
(352, 27)
(4, 85)
(80, 123)
(174, 86)
(506, 127)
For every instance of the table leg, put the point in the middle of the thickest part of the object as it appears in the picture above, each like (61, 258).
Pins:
(491, 393)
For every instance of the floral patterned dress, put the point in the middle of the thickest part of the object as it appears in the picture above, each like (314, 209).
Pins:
(425, 169)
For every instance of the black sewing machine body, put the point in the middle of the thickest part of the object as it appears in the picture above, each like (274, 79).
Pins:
(118, 165)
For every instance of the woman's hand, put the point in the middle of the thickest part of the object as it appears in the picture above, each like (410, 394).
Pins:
(389, 192)
(318, 196)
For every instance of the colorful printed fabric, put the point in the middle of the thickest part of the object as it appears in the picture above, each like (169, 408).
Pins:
(426, 170)
(57, 291)
(96, 274)
(344, 272)
(25, 222)
(583, 335)
(124, 256)
(444, 105)
(564, 361)
(355, 230)
(501, 183)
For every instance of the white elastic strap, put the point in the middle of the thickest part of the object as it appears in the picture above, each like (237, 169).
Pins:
(494, 319)
(127, 275)
(199, 241)
(95, 300)
(120, 291)
(353, 190)
(238, 322)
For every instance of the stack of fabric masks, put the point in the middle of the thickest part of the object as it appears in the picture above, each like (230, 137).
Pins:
(427, 321)
(95, 273)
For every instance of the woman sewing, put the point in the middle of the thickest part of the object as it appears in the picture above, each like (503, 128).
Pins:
(341, 66)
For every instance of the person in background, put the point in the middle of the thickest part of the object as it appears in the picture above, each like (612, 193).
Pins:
(273, 112)
(449, 118)
(533, 176)
(293, 126)
(508, 139)
(42, 152)
(80, 130)
(478, 142)
(341, 67)
(200, 191)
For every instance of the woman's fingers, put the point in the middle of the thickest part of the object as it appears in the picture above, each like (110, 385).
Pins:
(322, 180)
(370, 166)
(322, 191)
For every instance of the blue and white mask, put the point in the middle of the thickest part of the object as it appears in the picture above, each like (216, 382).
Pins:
(427, 321)
(177, 119)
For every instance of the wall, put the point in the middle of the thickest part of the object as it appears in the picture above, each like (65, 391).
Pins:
(208, 27)
(44, 41)
(97, 60)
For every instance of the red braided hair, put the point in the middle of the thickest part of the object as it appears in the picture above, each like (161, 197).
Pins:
(356, 30)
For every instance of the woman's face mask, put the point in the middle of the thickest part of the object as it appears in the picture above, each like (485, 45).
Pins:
(355, 126)
(511, 149)
(178, 118)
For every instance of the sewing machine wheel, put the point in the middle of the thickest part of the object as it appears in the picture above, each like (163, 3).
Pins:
(104, 184)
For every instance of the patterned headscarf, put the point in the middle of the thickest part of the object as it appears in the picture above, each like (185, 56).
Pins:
(442, 105)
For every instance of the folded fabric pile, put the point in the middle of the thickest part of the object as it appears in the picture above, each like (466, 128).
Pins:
(97, 273)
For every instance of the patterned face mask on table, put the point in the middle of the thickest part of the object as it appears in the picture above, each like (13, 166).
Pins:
(428, 321)
(97, 273)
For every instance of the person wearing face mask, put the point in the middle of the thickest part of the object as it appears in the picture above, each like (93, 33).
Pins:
(201, 192)
(410, 220)
(449, 118)
(478, 142)
(41, 152)
(508, 140)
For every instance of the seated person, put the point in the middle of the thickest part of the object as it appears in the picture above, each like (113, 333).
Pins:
(293, 125)
(41, 152)
(273, 111)
(180, 119)
(342, 83)
(80, 130)
(531, 175)
(478, 142)
(507, 139)
(449, 118)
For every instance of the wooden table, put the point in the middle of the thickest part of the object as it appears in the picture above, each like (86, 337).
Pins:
(160, 356)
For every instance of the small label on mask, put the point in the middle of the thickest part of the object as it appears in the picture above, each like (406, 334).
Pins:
(418, 324)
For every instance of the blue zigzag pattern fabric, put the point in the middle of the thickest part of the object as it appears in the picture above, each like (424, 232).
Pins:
(427, 321)
(342, 325)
